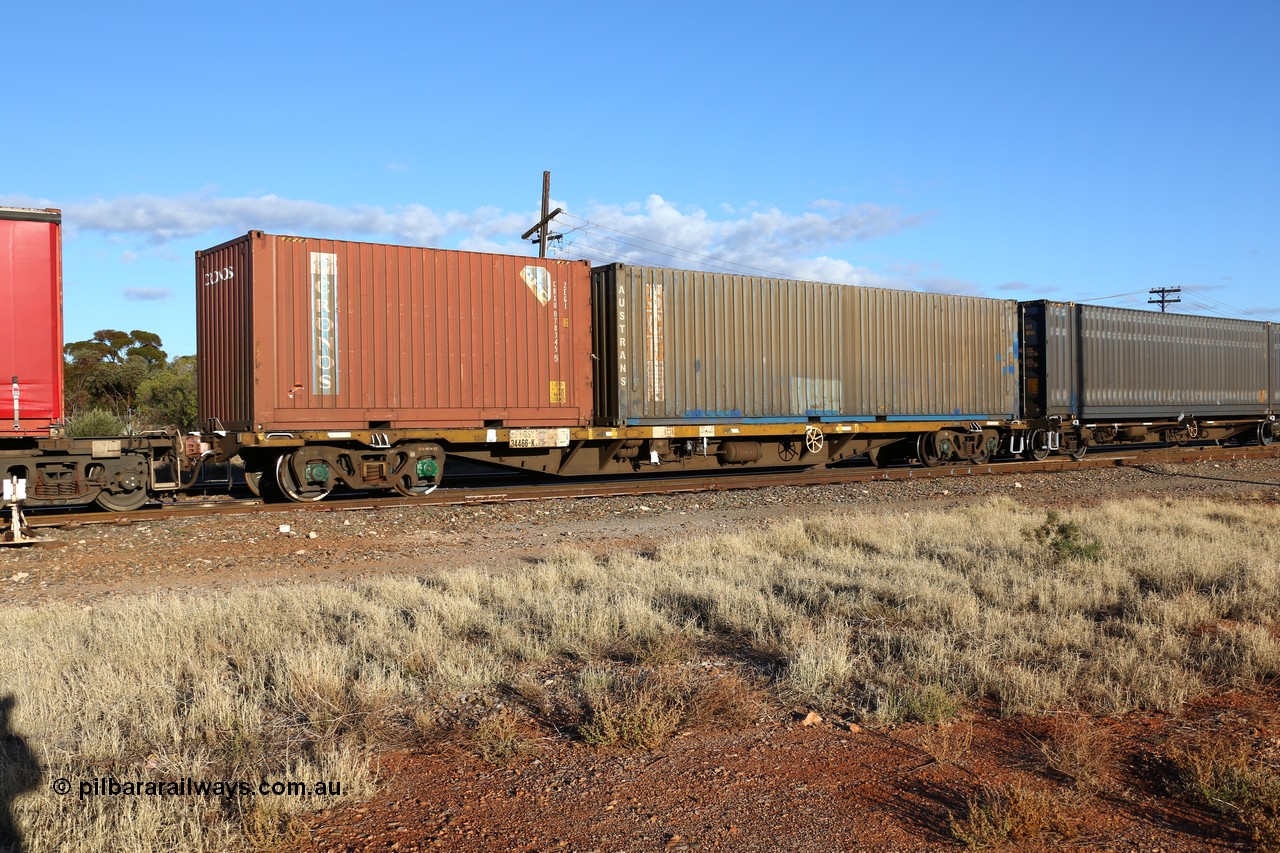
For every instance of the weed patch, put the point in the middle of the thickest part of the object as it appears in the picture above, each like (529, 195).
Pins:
(1079, 752)
(500, 738)
(1221, 772)
(1066, 539)
(998, 813)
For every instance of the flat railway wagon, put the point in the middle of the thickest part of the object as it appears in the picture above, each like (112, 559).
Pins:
(329, 362)
(1098, 375)
(326, 362)
(39, 464)
(889, 373)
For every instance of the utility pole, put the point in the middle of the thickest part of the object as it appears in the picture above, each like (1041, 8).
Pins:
(1164, 298)
(543, 237)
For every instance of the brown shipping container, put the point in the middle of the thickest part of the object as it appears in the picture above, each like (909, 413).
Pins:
(1095, 361)
(299, 333)
(685, 346)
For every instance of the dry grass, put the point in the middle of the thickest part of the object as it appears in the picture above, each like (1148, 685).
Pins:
(633, 711)
(501, 738)
(1221, 771)
(1080, 751)
(1001, 812)
(889, 617)
(947, 742)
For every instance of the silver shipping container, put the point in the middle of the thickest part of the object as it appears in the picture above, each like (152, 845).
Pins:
(677, 346)
(915, 355)
(1094, 361)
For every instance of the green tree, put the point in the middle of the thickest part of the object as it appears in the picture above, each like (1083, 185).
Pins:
(167, 397)
(108, 370)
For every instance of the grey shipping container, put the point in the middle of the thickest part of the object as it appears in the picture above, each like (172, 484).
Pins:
(1275, 367)
(682, 346)
(1094, 361)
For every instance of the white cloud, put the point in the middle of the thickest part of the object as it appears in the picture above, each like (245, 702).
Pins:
(766, 242)
(953, 286)
(146, 294)
(753, 240)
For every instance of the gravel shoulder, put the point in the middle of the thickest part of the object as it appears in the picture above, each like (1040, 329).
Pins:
(187, 556)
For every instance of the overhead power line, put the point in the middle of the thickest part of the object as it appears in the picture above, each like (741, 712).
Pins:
(1165, 298)
(1112, 296)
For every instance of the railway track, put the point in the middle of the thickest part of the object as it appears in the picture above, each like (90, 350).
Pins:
(491, 494)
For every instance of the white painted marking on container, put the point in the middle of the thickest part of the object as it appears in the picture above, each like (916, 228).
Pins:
(539, 281)
(324, 323)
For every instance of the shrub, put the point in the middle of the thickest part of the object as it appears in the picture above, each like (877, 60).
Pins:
(93, 423)
(1221, 772)
(1067, 540)
(499, 739)
(1000, 812)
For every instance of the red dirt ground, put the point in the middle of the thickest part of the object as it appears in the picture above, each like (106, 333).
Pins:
(783, 785)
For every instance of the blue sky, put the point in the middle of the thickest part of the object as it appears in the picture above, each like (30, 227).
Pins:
(1019, 150)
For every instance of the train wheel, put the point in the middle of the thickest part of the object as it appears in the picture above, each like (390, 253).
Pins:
(253, 480)
(122, 501)
(404, 486)
(1078, 453)
(316, 488)
(813, 439)
(1266, 433)
(1037, 446)
(416, 475)
(928, 457)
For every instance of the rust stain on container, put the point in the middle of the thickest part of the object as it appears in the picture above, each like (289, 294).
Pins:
(303, 333)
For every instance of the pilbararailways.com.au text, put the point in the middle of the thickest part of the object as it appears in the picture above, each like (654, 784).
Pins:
(109, 786)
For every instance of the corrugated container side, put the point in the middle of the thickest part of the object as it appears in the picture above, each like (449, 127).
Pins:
(1273, 354)
(30, 321)
(224, 333)
(1141, 363)
(683, 346)
(1274, 331)
(365, 335)
(929, 355)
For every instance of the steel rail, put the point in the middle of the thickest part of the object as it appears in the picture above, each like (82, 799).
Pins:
(655, 485)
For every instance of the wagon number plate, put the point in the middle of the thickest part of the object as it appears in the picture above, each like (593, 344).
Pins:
(539, 438)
